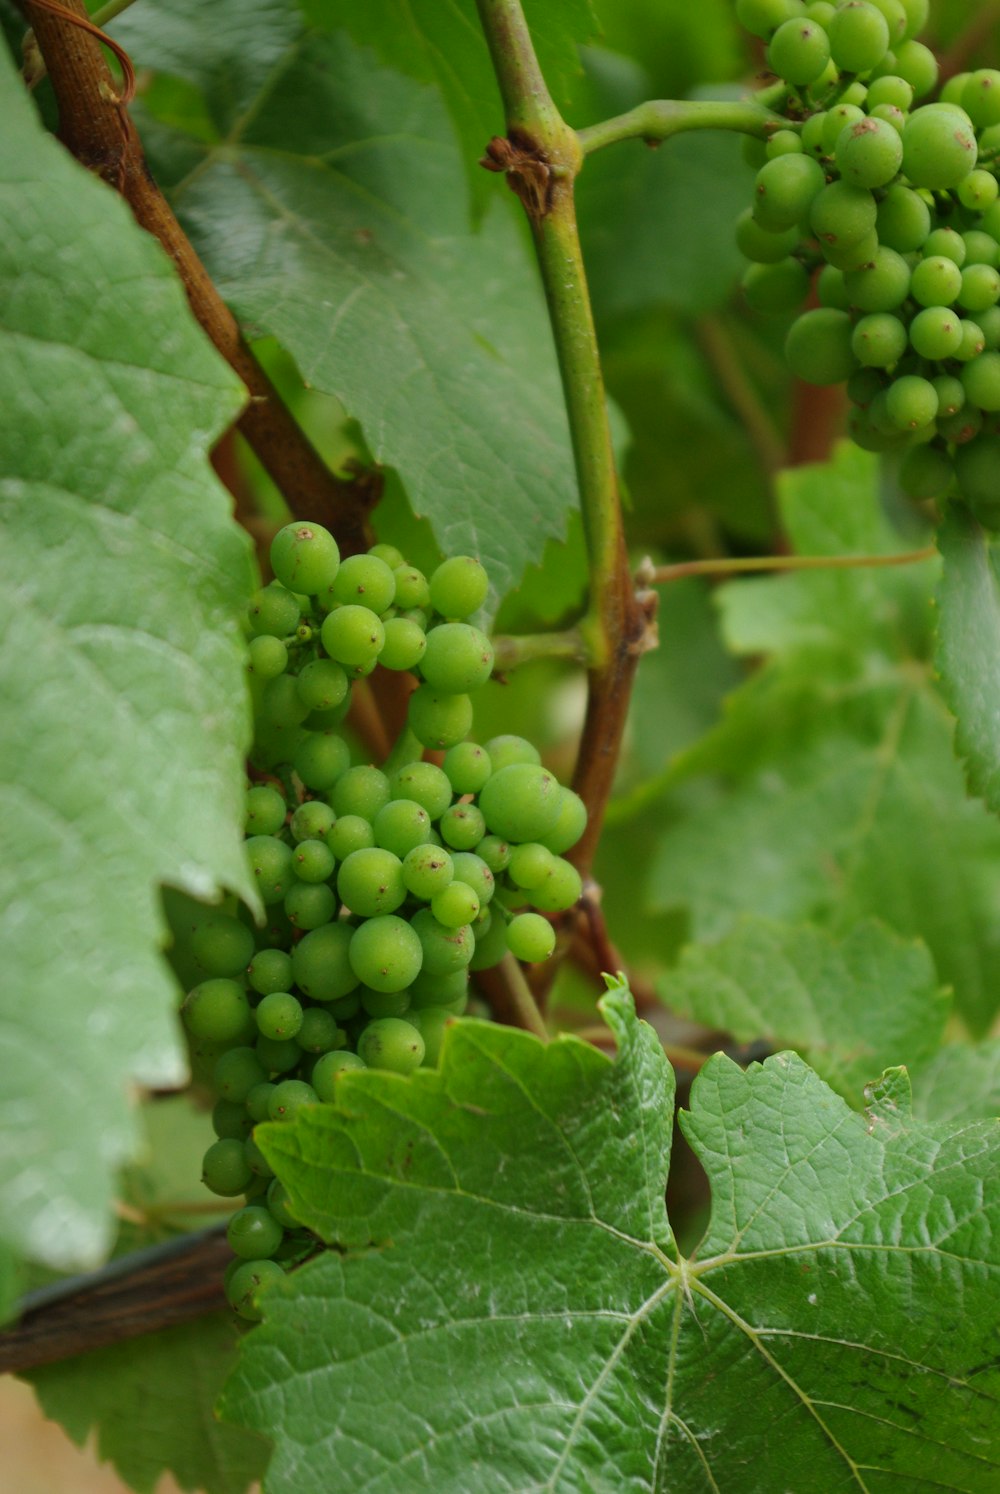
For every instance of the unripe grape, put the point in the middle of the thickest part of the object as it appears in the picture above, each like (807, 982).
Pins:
(224, 1168)
(325, 1072)
(371, 882)
(321, 758)
(799, 51)
(426, 784)
(783, 143)
(279, 703)
(903, 219)
(818, 349)
(935, 333)
(961, 428)
(389, 554)
(278, 1200)
(939, 147)
(265, 810)
(440, 990)
(507, 749)
(989, 321)
(912, 402)
(951, 91)
(270, 970)
(843, 214)
(404, 645)
(244, 1287)
(458, 658)
(530, 863)
(270, 863)
(859, 37)
(560, 889)
(401, 825)
(360, 791)
(495, 852)
(322, 684)
(980, 248)
(258, 1100)
(230, 1121)
(319, 1031)
(290, 1095)
(386, 952)
(467, 767)
(350, 833)
(831, 288)
(309, 904)
(946, 242)
(236, 1072)
(880, 286)
(277, 1056)
(444, 950)
(917, 12)
(459, 587)
(426, 870)
(391, 1043)
(437, 719)
(367, 581)
(895, 17)
(462, 827)
(864, 385)
(455, 905)
(353, 635)
(869, 153)
(980, 287)
(813, 139)
(321, 964)
(521, 802)
(531, 937)
(918, 66)
(981, 381)
(836, 120)
(879, 340)
(890, 115)
(268, 657)
(385, 1003)
(279, 1015)
(773, 289)
(978, 191)
(473, 871)
(305, 557)
(254, 1233)
(221, 944)
(216, 1011)
(936, 281)
(273, 609)
(313, 860)
(981, 97)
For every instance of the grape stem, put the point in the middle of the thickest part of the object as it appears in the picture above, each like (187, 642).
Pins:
(657, 575)
(511, 650)
(658, 119)
(540, 158)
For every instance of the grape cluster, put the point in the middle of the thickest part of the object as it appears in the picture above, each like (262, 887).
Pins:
(383, 887)
(897, 209)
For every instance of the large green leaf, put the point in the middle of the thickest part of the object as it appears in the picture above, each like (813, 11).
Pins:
(149, 1401)
(961, 1082)
(124, 706)
(333, 214)
(968, 647)
(507, 1308)
(851, 1007)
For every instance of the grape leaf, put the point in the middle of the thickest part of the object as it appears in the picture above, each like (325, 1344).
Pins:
(968, 647)
(507, 1306)
(851, 1007)
(348, 241)
(149, 1399)
(125, 713)
(961, 1082)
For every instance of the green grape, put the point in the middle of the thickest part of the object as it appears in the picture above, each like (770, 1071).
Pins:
(496, 852)
(459, 587)
(980, 287)
(230, 1121)
(939, 147)
(391, 1043)
(784, 189)
(274, 610)
(426, 870)
(277, 931)
(989, 322)
(821, 11)
(491, 946)
(432, 1024)
(216, 1011)
(401, 825)
(236, 1072)
(831, 288)
(852, 256)
(270, 970)
(507, 749)
(313, 860)
(385, 1003)
(425, 784)
(774, 289)
(245, 1284)
(279, 1015)
(842, 214)
(980, 248)
(977, 467)
(917, 65)
(289, 1096)
(912, 402)
(902, 219)
(561, 889)
(859, 37)
(467, 767)
(279, 703)
(763, 17)
(978, 190)
(405, 644)
(880, 286)
(530, 863)
(891, 90)
(385, 953)
(353, 635)
(457, 660)
(321, 758)
(981, 381)
(389, 554)
(444, 950)
(530, 937)
(370, 882)
(760, 245)
(321, 964)
(455, 905)
(981, 97)
(963, 427)
(326, 1070)
(869, 153)
(950, 393)
(278, 1055)
(462, 827)
(350, 833)
(926, 472)
(890, 115)
(268, 656)
(439, 720)
(754, 152)
(799, 51)
(951, 92)
(304, 557)
(259, 1099)
(311, 821)
(265, 810)
(254, 1233)
(840, 117)
(221, 944)
(570, 823)
(782, 143)
(936, 333)
(367, 580)
(813, 144)
(472, 870)
(917, 12)
(522, 801)
(319, 1032)
(278, 1200)
(327, 720)
(936, 281)
(360, 791)
(440, 990)
(309, 905)
(322, 684)
(412, 589)
(818, 349)
(881, 420)
(947, 242)
(224, 1168)
(973, 342)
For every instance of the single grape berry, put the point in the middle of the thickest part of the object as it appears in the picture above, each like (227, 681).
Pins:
(458, 587)
(367, 580)
(322, 684)
(799, 51)
(439, 719)
(353, 635)
(270, 970)
(350, 833)
(939, 146)
(360, 791)
(245, 1284)
(458, 658)
(254, 1233)
(273, 609)
(426, 784)
(305, 557)
(265, 810)
(401, 825)
(385, 953)
(784, 189)
(288, 1097)
(869, 153)
(320, 963)
(267, 657)
(216, 1011)
(530, 937)
(279, 1015)
(326, 1070)
(426, 870)
(224, 1168)
(859, 36)
(371, 882)
(391, 1043)
(405, 644)
(271, 867)
(521, 802)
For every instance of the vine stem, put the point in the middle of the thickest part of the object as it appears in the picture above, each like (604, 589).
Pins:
(659, 119)
(541, 157)
(95, 127)
(657, 575)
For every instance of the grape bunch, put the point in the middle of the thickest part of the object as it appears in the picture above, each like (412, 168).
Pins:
(896, 207)
(383, 887)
